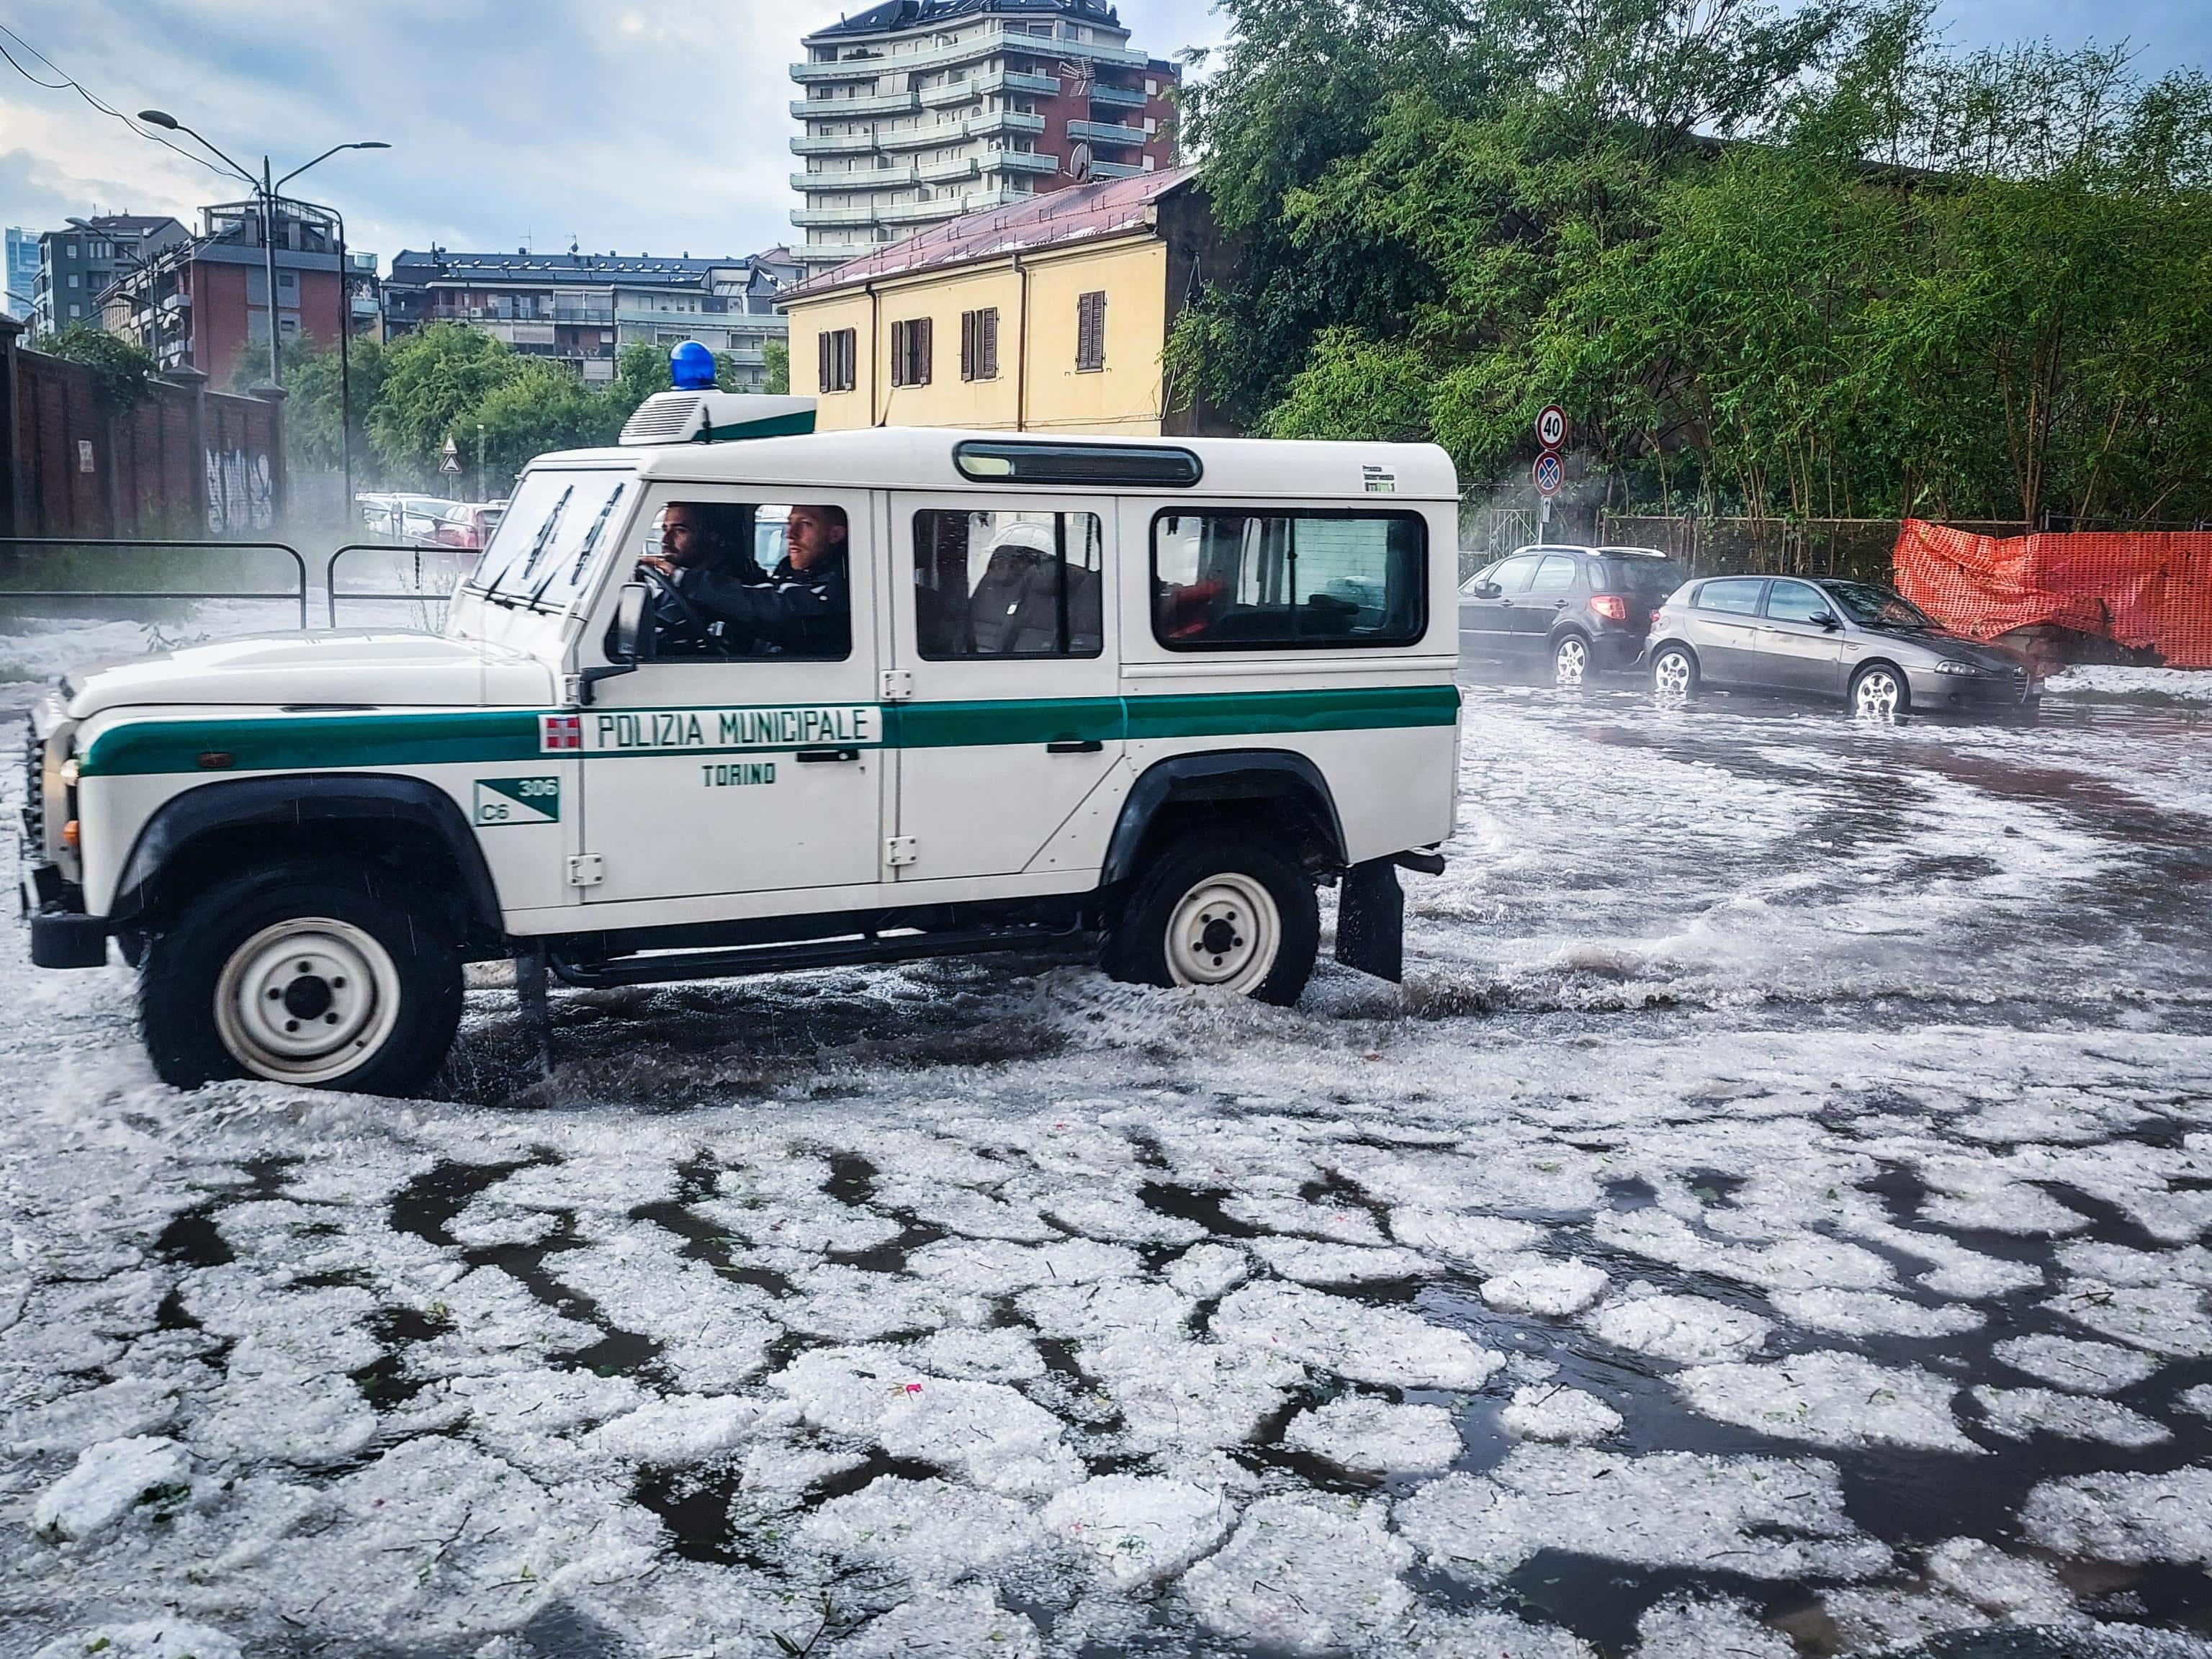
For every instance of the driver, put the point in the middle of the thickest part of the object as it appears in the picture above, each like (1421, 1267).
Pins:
(802, 610)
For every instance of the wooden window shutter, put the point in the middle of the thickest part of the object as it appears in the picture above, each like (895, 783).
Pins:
(824, 349)
(970, 364)
(1091, 333)
(987, 329)
(923, 328)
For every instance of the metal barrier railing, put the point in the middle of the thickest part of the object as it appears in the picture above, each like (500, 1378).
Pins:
(295, 594)
(421, 592)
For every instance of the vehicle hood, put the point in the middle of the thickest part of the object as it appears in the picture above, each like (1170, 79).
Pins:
(366, 671)
(1957, 647)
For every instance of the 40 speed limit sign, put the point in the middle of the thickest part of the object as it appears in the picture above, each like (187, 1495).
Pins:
(1552, 427)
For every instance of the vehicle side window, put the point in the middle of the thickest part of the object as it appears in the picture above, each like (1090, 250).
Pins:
(1512, 576)
(1736, 596)
(1007, 585)
(740, 581)
(1487, 573)
(1797, 602)
(1230, 580)
(1556, 575)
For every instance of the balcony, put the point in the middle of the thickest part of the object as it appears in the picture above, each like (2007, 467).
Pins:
(808, 217)
(835, 253)
(875, 177)
(996, 83)
(1117, 170)
(1019, 161)
(835, 144)
(1005, 120)
(990, 43)
(930, 134)
(948, 172)
(1106, 132)
(842, 69)
(841, 109)
(1119, 97)
(943, 208)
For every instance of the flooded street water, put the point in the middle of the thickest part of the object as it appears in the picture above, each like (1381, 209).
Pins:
(1768, 1221)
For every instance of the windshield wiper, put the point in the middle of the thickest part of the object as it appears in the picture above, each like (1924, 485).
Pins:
(584, 553)
(538, 545)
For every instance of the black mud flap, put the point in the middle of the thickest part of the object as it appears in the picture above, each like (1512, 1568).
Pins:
(1371, 921)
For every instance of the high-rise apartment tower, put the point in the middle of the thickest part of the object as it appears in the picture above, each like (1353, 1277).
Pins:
(919, 111)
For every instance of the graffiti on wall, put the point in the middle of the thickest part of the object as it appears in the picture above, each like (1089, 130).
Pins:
(240, 494)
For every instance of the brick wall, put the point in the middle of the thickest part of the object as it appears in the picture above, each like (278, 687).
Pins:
(185, 462)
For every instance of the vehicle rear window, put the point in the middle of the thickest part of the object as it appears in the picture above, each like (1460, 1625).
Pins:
(1647, 578)
(1738, 596)
(1230, 580)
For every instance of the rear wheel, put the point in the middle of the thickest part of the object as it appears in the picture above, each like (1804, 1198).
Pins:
(1235, 914)
(1674, 673)
(1878, 693)
(1570, 660)
(321, 974)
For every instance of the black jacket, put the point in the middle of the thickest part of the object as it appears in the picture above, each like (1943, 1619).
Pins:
(793, 613)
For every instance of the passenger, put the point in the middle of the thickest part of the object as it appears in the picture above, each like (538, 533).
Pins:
(803, 610)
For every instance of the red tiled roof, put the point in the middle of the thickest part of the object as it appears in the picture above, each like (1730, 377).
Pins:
(1080, 213)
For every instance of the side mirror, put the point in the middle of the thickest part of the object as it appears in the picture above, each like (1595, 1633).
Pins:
(1487, 590)
(629, 641)
(1826, 619)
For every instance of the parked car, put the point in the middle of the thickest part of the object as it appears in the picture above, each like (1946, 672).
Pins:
(1579, 609)
(398, 516)
(1854, 640)
(468, 525)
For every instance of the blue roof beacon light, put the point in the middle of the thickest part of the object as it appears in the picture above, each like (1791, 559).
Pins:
(691, 367)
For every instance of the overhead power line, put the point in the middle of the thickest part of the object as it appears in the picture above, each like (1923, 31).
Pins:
(69, 82)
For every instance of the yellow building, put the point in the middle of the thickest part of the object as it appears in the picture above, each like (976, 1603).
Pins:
(1048, 315)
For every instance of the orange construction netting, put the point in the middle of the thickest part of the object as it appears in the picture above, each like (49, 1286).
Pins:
(2148, 591)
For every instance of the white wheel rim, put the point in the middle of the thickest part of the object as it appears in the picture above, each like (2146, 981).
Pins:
(1573, 659)
(307, 1000)
(1878, 694)
(1226, 932)
(1672, 675)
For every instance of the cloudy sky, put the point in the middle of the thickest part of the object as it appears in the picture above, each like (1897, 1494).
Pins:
(642, 127)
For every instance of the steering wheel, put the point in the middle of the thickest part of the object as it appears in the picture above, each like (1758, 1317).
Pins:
(695, 629)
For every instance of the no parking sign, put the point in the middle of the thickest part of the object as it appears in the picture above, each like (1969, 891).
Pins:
(1550, 473)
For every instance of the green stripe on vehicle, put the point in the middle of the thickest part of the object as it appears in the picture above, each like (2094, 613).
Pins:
(322, 741)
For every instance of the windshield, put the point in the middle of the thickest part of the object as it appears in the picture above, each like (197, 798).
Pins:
(542, 550)
(1647, 578)
(1877, 607)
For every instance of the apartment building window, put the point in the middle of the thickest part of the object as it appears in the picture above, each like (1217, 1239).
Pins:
(910, 344)
(1090, 333)
(979, 344)
(837, 370)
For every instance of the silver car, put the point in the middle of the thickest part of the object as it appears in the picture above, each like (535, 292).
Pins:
(1854, 640)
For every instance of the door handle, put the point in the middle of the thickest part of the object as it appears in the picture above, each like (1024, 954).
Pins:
(1559, 605)
(826, 757)
(1075, 746)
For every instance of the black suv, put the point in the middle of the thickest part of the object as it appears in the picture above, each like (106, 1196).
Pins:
(1579, 609)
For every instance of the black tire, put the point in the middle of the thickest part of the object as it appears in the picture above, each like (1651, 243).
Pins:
(1138, 950)
(394, 1020)
(1902, 706)
(1689, 686)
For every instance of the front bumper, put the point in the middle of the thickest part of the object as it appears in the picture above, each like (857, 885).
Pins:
(62, 935)
(1972, 693)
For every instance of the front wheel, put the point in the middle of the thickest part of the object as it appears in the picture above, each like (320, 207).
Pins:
(321, 974)
(1878, 693)
(1234, 913)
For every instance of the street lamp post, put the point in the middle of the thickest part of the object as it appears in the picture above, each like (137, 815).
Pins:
(265, 190)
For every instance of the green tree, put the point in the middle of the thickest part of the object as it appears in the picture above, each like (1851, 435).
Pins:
(313, 382)
(122, 372)
(433, 379)
(538, 407)
(776, 356)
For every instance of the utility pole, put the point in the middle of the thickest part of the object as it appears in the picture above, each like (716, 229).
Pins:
(481, 497)
(269, 265)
